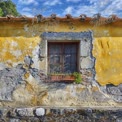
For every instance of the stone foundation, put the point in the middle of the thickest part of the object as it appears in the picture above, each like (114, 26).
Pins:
(38, 114)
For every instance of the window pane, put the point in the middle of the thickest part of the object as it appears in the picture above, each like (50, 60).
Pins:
(55, 68)
(73, 48)
(58, 49)
(51, 59)
(73, 68)
(67, 58)
(54, 59)
(62, 57)
(51, 49)
(73, 58)
(54, 49)
(67, 68)
(67, 49)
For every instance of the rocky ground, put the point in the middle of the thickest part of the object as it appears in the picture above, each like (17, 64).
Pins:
(59, 115)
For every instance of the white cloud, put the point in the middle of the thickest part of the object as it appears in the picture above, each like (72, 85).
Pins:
(75, 1)
(114, 7)
(26, 9)
(28, 14)
(89, 11)
(52, 3)
(27, 2)
(69, 10)
(106, 8)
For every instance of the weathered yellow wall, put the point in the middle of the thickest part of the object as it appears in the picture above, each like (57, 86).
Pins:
(14, 49)
(20, 39)
(108, 54)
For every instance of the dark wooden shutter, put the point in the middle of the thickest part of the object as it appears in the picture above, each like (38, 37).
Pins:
(62, 57)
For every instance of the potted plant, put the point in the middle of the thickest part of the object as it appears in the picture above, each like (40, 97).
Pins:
(55, 77)
(68, 77)
(61, 77)
(78, 78)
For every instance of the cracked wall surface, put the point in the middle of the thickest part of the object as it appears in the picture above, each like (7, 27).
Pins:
(23, 65)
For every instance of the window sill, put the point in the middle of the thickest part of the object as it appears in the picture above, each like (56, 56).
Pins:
(60, 78)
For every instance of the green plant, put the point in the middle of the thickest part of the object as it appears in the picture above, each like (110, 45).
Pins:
(78, 78)
(8, 8)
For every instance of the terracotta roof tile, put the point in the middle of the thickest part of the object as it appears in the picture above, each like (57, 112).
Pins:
(41, 18)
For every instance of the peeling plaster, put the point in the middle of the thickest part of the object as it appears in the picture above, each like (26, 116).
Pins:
(16, 53)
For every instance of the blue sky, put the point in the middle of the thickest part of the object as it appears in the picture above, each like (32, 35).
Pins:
(73, 7)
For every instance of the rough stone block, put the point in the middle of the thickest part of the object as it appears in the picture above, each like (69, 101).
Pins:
(14, 120)
(40, 111)
(85, 48)
(117, 98)
(87, 75)
(10, 78)
(25, 112)
(66, 36)
(115, 92)
(87, 63)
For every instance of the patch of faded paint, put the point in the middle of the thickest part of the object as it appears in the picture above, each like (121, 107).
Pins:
(16, 53)
(15, 49)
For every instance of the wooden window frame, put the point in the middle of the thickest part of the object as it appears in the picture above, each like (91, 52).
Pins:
(64, 43)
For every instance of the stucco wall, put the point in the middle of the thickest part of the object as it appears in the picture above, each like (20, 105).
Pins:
(23, 66)
(108, 53)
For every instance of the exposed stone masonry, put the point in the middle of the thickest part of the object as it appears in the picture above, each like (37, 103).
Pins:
(115, 92)
(38, 114)
(10, 78)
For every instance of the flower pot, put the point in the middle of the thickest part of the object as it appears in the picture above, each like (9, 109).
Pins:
(61, 78)
(68, 78)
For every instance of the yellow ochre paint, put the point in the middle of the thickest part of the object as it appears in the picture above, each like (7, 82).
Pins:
(108, 65)
(14, 49)
(19, 40)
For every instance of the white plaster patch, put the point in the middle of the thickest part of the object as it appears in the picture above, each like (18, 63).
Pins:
(84, 48)
(14, 44)
(35, 57)
(16, 53)
(87, 63)
(26, 28)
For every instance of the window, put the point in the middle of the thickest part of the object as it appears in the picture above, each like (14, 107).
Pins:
(62, 57)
